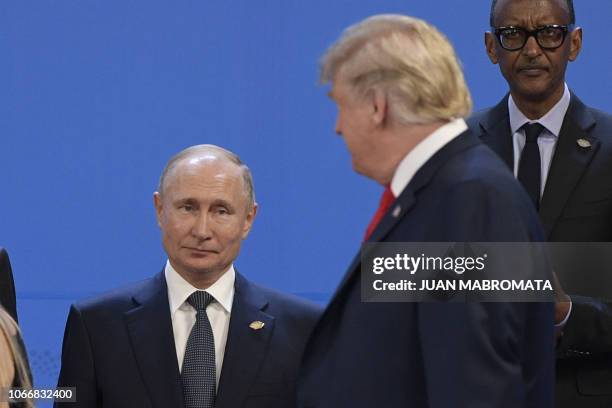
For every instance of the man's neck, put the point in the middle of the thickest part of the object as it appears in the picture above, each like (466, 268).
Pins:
(399, 141)
(536, 108)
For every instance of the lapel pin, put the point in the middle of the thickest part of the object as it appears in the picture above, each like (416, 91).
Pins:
(583, 143)
(396, 211)
(257, 325)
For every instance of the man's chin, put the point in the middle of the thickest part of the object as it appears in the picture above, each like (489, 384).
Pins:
(357, 168)
(533, 90)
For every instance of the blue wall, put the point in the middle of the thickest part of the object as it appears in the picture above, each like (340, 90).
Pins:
(95, 97)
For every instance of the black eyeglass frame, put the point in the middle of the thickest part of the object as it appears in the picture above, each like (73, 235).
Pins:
(565, 28)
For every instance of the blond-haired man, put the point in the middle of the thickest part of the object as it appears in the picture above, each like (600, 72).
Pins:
(401, 100)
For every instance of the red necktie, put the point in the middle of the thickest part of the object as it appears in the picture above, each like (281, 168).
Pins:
(385, 202)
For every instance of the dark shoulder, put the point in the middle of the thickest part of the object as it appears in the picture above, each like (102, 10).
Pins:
(288, 304)
(478, 176)
(602, 119)
(477, 118)
(477, 165)
(116, 300)
(4, 258)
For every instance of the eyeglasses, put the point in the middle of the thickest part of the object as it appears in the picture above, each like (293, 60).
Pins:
(548, 37)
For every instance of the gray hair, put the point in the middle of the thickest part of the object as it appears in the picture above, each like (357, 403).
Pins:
(247, 176)
(409, 60)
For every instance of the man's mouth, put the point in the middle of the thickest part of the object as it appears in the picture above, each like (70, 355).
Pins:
(533, 70)
(202, 251)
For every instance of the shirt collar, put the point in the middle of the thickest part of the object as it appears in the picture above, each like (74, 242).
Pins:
(422, 152)
(552, 120)
(179, 289)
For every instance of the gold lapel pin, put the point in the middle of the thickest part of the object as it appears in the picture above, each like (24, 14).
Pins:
(257, 325)
(583, 143)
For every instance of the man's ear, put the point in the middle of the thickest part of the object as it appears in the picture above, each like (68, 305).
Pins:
(249, 221)
(575, 43)
(491, 45)
(379, 106)
(157, 203)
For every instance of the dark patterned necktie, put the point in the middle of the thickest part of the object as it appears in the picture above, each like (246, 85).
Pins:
(198, 373)
(529, 171)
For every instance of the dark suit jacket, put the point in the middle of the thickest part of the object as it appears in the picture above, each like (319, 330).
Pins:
(7, 285)
(576, 207)
(119, 349)
(437, 355)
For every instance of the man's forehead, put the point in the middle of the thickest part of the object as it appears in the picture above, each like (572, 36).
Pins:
(207, 167)
(202, 158)
(524, 8)
(206, 162)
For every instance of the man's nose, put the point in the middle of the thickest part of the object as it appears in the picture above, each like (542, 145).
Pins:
(531, 48)
(337, 127)
(201, 226)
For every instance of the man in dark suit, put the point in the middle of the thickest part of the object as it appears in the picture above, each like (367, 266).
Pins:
(570, 183)
(198, 334)
(400, 95)
(7, 285)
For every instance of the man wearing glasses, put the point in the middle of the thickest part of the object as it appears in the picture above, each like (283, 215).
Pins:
(561, 152)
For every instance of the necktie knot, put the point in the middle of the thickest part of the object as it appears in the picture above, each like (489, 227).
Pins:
(200, 299)
(532, 132)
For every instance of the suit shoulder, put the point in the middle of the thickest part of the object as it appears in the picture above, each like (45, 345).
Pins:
(476, 118)
(288, 304)
(603, 119)
(4, 258)
(478, 165)
(114, 300)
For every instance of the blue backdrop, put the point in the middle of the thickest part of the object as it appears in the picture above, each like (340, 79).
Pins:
(96, 96)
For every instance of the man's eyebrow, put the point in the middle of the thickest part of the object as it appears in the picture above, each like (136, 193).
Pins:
(222, 202)
(184, 200)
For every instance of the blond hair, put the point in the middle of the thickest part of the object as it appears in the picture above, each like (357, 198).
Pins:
(13, 365)
(409, 60)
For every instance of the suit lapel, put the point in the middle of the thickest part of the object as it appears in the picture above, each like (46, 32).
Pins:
(150, 329)
(246, 347)
(496, 134)
(569, 162)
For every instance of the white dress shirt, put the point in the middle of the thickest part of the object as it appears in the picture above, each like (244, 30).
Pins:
(184, 315)
(547, 141)
(422, 152)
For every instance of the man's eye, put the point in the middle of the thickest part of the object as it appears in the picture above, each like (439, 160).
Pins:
(222, 211)
(187, 207)
(549, 32)
(511, 33)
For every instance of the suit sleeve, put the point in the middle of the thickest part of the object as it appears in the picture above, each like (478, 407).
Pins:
(486, 354)
(77, 363)
(588, 329)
